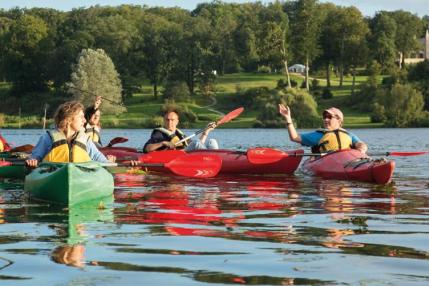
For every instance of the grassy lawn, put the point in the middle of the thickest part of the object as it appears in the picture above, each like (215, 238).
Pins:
(143, 109)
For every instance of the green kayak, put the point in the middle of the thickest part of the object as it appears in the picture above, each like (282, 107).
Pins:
(13, 171)
(10, 170)
(69, 183)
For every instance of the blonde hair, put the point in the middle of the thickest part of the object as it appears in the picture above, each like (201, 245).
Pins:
(66, 111)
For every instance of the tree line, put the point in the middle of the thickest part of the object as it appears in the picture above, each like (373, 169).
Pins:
(40, 46)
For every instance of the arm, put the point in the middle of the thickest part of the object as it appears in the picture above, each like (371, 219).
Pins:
(155, 146)
(293, 135)
(210, 127)
(157, 142)
(97, 102)
(96, 155)
(43, 146)
(359, 144)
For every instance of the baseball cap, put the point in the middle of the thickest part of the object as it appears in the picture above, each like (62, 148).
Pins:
(335, 112)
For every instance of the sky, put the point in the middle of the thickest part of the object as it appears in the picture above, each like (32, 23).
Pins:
(367, 7)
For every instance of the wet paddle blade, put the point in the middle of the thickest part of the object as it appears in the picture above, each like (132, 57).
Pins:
(195, 165)
(5, 163)
(265, 155)
(404, 153)
(117, 140)
(27, 148)
(230, 116)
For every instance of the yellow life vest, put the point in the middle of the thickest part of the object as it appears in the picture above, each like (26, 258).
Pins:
(333, 140)
(174, 137)
(61, 151)
(93, 133)
(1, 146)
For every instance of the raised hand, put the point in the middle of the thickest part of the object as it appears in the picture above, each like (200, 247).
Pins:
(97, 102)
(285, 112)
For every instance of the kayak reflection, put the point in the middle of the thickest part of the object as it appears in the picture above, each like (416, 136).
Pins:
(219, 207)
(71, 251)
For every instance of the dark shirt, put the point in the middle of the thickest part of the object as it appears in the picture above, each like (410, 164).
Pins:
(157, 137)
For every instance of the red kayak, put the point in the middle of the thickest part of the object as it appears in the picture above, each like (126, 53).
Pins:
(350, 165)
(233, 162)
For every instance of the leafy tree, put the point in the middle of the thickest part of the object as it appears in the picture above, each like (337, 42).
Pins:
(303, 106)
(5, 24)
(382, 40)
(347, 33)
(408, 30)
(24, 55)
(273, 42)
(402, 104)
(328, 52)
(177, 91)
(223, 25)
(160, 39)
(419, 74)
(95, 74)
(306, 22)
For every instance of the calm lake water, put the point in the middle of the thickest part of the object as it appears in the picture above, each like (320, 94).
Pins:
(291, 230)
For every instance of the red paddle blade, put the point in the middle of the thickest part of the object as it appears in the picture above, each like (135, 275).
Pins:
(117, 140)
(405, 153)
(265, 155)
(230, 116)
(27, 148)
(5, 163)
(161, 156)
(195, 165)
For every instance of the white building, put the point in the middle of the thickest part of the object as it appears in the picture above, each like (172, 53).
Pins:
(297, 68)
(420, 55)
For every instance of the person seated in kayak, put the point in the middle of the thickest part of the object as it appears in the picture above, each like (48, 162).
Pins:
(331, 137)
(92, 125)
(166, 137)
(67, 143)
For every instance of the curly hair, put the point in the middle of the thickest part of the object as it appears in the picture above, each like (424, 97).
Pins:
(66, 111)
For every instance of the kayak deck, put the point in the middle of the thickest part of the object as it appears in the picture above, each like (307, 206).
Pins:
(350, 165)
(69, 183)
(233, 162)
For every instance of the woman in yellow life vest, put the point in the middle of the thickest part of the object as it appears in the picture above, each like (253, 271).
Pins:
(166, 137)
(331, 137)
(92, 125)
(68, 142)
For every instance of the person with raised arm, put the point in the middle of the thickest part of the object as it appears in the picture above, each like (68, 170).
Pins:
(331, 137)
(68, 142)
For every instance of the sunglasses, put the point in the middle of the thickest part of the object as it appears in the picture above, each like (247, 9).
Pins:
(328, 116)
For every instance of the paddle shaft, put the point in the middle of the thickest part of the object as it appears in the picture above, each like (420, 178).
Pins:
(91, 93)
(137, 164)
(226, 118)
(191, 136)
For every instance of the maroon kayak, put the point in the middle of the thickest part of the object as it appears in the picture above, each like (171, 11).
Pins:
(233, 162)
(350, 165)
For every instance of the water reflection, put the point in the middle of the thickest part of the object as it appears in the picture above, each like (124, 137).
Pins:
(286, 230)
(71, 250)
(217, 208)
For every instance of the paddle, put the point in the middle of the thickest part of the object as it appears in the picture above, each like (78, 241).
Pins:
(228, 117)
(91, 93)
(117, 140)
(269, 155)
(187, 165)
(190, 165)
(27, 148)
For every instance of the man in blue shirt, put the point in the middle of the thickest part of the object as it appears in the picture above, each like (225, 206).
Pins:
(331, 138)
